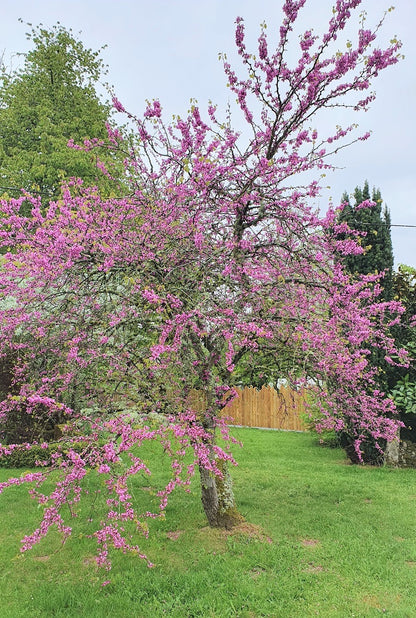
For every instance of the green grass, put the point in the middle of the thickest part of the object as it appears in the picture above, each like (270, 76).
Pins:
(325, 539)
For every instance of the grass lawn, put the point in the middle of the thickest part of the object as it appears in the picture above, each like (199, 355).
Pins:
(322, 538)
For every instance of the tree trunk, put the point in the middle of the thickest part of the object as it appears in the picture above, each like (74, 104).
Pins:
(218, 497)
(217, 494)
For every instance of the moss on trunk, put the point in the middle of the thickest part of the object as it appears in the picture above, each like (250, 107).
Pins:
(218, 498)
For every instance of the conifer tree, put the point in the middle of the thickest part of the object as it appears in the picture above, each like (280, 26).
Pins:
(367, 217)
(374, 223)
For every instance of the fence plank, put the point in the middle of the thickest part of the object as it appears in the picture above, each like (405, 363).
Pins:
(266, 407)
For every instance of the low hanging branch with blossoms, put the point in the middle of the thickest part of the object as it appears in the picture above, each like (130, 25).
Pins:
(110, 304)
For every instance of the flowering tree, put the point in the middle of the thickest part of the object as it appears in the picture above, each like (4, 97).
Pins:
(214, 254)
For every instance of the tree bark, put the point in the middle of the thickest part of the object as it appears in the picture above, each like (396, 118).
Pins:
(217, 497)
(217, 494)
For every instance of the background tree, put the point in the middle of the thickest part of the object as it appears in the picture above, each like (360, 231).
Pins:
(47, 102)
(403, 388)
(50, 100)
(375, 225)
(214, 250)
(371, 225)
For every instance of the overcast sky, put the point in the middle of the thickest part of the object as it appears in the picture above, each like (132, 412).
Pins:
(168, 49)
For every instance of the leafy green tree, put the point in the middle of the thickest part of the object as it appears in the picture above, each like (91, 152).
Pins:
(48, 101)
(404, 387)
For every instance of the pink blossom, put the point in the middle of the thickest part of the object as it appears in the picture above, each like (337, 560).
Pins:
(117, 105)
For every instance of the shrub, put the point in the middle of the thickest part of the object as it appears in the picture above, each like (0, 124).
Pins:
(23, 456)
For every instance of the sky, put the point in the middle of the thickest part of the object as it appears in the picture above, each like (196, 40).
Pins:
(168, 49)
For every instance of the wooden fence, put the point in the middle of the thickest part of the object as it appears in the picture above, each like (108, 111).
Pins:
(269, 408)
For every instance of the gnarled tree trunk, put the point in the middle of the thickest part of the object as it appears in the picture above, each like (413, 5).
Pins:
(218, 498)
(217, 493)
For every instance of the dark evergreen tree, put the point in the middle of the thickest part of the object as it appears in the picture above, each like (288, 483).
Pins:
(375, 224)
